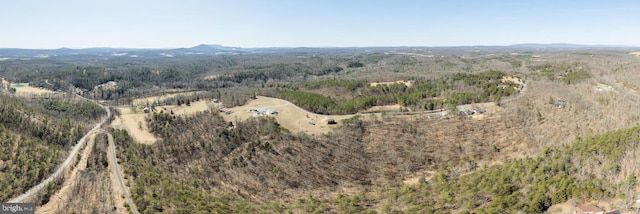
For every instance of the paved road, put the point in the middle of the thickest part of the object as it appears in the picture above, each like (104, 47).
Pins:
(116, 168)
(74, 152)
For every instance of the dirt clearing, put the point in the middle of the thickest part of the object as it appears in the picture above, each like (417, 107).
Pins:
(408, 83)
(388, 108)
(515, 80)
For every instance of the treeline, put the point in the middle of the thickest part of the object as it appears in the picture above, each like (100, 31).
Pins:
(321, 104)
(567, 73)
(421, 95)
(489, 83)
(76, 109)
(277, 72)
(351, 85)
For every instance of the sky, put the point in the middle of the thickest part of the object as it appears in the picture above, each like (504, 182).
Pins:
(315, 23)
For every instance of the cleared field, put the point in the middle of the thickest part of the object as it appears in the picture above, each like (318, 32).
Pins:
(135, 124)
(133, 120)
(24, 90)
(289, 115)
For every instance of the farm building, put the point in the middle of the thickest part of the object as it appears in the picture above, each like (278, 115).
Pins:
(258, 112)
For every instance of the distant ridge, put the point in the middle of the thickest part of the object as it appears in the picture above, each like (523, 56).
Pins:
(566, 45)
(214, 49)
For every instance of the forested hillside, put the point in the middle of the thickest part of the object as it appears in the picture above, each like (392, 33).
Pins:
(36, 136)
(263, 164)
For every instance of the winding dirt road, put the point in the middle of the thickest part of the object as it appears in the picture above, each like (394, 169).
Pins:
(60, 171)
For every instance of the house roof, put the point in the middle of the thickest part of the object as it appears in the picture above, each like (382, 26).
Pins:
(589, 208)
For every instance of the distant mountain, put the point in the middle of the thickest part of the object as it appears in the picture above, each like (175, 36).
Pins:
(214, 48)
(120, 52)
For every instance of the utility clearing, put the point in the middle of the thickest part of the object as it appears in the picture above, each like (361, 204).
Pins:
(57, 200)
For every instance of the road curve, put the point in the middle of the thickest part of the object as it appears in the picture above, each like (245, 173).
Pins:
(116, 168)
(31, 192)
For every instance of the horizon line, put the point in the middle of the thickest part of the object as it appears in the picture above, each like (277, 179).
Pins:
(328, 47)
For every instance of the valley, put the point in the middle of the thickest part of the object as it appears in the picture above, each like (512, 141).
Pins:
(325, 131)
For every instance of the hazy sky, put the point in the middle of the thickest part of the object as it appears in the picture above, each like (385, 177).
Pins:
(313, 23)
